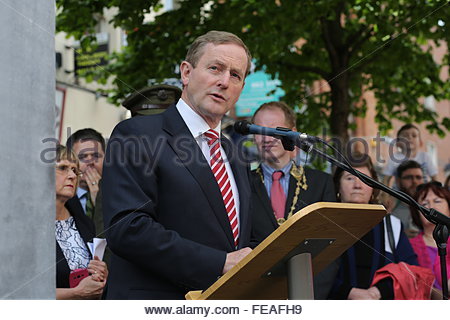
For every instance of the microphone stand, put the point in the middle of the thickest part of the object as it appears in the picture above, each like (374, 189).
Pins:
(442, 222)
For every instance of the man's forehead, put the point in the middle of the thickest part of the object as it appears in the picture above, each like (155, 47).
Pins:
(87, 146)
(225, 53)
(274, 114)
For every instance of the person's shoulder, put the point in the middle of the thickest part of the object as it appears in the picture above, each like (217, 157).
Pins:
(139, 124)
(417, 239)
(316, 173)
(256, 173)
(392, 163)
(423, 158)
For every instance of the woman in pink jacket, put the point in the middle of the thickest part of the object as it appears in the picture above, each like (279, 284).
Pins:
(430, 195)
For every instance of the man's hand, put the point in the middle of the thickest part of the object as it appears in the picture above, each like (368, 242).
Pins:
(234, 257)
(92, 178)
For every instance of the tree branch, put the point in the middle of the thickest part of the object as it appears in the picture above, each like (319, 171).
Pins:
(353, 37)
(329, 44)
(301, 68)
(360, 42)
(365, 62)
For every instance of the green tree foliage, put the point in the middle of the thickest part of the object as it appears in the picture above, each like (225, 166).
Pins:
(350, 46)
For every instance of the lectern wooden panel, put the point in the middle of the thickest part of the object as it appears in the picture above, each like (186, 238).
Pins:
(325, 228)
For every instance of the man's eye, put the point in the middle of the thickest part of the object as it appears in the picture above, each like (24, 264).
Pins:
(236, 75)
(82, 156)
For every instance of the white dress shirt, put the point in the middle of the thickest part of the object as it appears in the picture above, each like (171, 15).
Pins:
(197, 126)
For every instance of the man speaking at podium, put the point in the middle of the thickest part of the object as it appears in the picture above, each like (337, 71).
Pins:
(280, 187)
(176, 196)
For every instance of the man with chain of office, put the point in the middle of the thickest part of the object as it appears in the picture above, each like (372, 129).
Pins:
(280, 187)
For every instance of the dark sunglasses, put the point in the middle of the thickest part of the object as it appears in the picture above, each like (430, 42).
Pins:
(431, 183)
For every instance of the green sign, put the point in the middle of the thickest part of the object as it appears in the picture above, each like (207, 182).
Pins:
(257, 86)
(89, 61)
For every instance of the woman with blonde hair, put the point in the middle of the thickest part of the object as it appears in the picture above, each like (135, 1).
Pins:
(78, 275)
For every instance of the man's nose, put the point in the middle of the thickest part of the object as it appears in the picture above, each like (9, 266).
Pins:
(267, 139)
(224, 80)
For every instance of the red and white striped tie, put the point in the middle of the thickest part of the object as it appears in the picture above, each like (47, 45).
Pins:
(221, 175)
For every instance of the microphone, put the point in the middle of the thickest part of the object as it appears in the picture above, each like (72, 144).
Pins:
(244, 127)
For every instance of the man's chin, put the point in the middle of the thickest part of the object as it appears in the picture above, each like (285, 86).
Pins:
(270, 159)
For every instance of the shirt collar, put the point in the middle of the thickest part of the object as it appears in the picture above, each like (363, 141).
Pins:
(81, 192)
(195, 123)
(268, 170)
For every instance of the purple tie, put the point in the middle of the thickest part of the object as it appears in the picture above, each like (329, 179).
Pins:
(277, 196)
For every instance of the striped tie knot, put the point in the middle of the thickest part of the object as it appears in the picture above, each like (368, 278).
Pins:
(212, 136)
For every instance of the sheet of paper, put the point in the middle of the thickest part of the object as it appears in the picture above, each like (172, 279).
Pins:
(97, 247)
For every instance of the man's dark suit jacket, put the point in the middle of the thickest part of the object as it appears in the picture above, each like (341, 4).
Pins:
(86, 229)
(320, 188)
(165, 218)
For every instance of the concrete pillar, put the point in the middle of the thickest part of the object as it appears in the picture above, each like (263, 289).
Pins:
(27, 107)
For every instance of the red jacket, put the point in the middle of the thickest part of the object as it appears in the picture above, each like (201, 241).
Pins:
(409, 282)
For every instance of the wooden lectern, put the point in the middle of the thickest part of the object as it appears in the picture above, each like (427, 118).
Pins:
(282, 266)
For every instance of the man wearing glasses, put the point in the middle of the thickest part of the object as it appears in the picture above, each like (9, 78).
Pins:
(409, 176)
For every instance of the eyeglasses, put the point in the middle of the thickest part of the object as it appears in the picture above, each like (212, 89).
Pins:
(412, 177)
(431, 183)
(64, 169)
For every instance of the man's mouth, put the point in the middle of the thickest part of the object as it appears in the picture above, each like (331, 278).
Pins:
(268, 146)
(218, 96)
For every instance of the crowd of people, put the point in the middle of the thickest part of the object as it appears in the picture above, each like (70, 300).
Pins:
(179, 205)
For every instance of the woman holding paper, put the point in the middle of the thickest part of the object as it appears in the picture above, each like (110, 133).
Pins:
(78, 276)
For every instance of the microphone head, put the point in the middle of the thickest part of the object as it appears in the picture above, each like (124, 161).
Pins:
(242, 127)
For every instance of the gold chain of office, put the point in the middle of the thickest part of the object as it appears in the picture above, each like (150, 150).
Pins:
(299, 174)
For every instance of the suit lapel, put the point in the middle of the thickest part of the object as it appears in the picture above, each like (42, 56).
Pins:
(290, 195)
(264, 199)
(184, 145)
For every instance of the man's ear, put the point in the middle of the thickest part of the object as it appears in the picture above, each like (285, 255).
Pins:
(185, 70)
